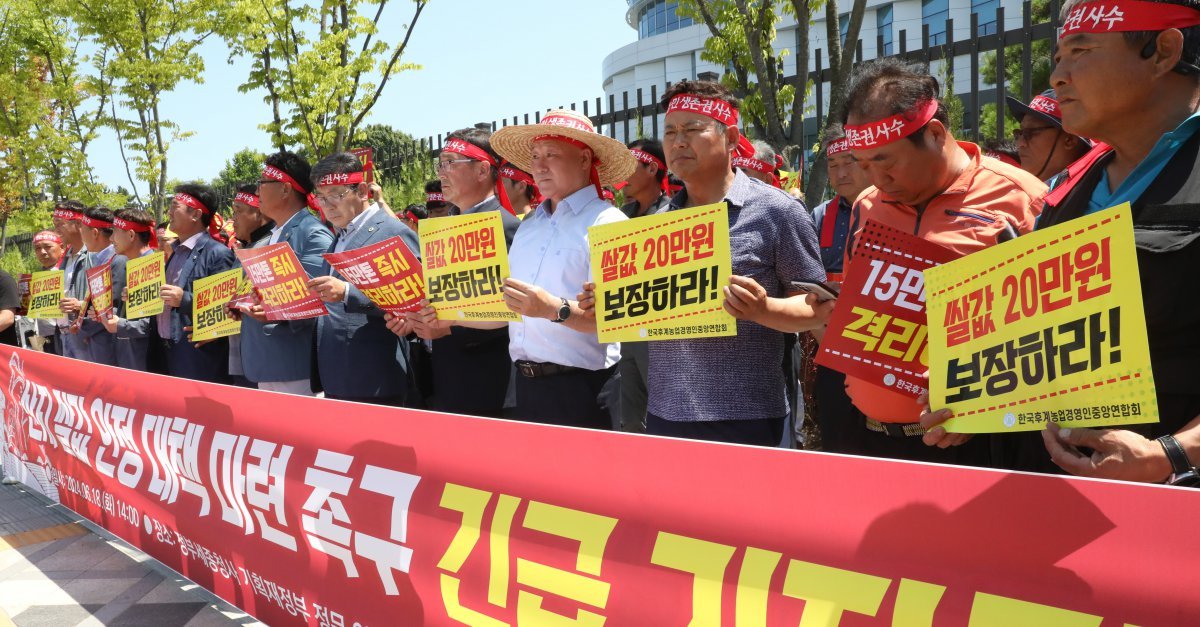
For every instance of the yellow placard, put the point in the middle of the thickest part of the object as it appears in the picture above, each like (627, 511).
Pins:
(1046, 328)
(659, 277)
(144, 278)
(46, 292)
(465, 262)
(210, 320)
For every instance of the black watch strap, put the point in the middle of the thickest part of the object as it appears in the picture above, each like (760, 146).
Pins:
(1176, 455)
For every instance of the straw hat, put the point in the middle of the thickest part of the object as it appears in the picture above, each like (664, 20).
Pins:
(515, 144)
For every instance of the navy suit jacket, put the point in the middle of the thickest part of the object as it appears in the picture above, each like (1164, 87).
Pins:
(282, 351)
(209, 257)
(357, 356)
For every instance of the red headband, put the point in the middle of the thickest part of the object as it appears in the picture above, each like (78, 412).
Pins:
(47, 236)
(69, 215)
(344, 178)
(435, 197)
(758, 166)
(883, 132)
(837, 147)
(126, 225)
(1049, 106)
(513, 174)
(471, 151)
(246, 198)
(412, 216)
(595, 174)
(215, 224)
(95, 223)
(275, 174)
(714, 108)
(646, 157)
(1123, 16)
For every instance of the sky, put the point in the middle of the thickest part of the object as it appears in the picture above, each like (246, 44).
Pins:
(482, 60)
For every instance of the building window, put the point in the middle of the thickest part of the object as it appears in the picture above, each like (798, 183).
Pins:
(844, 27)
(660, 16)
(934, 14)
(986, 9)
(883, 25)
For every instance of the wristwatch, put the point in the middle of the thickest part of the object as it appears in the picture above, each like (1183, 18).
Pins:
(564, 311)
(1183, 472)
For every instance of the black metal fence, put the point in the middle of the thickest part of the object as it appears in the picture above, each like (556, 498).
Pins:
(637, 113)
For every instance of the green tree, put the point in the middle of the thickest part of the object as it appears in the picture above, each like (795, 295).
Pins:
(1040, 67)
(152, 50)
(245, 166)
(322, 66)
(402, 167)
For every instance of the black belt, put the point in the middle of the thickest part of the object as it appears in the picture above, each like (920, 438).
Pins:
(896, 429)
(533, 369)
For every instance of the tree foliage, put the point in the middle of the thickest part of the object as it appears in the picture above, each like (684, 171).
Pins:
(323, 66)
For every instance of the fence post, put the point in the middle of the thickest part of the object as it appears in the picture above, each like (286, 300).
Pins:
(820, 82)
(975, 76)
(654, 101)
(1027, 51)
(625, 122)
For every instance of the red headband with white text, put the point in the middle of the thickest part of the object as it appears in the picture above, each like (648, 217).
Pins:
(215, 224)
(68, 214)
(1124, 16)
(714, 108)
(515, 174)
(890, 129)
(645, 157)
(275, 174)
(246, 198)
(471, 151)
(126, 225)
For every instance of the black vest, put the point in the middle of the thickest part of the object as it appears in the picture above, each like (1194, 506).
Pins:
(1167, 230)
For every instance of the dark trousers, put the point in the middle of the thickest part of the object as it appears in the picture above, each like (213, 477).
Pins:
(209, 362)
(976, 452)
(840, 422)
(582, 398)
(387, 401)
(757, 432)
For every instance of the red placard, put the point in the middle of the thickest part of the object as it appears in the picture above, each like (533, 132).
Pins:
(312, 511)
(281, 282)
(99, 280)
(386, 272)
(367, 157)
(23, 284)
(878, 332)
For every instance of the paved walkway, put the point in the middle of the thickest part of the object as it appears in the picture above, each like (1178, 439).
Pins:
(57, 569)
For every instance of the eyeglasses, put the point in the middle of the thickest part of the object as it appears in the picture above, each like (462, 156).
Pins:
(328, 201)
(442, 165)
(1028, 134)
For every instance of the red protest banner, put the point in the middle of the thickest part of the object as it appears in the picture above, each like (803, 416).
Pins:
(99, 280)
(281, 282)
(386, 272)
(384, 521)
(878, 332)
(23, 292)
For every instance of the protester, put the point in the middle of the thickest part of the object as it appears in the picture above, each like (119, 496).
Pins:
(522, 192)
(358, 358)
(277, 355)
(412, 216)
(196, 255)
(744, 398)
(470, 368)
(134, 235)
(838, 420)
(1045, 149)
(250, 228)
(940, 189)
(1003, 150)
(645, 194)
(51, 254)
(92, 342)
(67, 215)
(435, 201)
(1150, 127)
(761, 163)
(166, 238)
(10, 301)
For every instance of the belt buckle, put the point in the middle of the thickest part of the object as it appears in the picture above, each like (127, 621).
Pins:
(526, 369)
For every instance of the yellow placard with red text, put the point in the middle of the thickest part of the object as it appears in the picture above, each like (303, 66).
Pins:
(144, 279)
(465, 261)
(210, 320)
(1045, 328)
(46, 292)
(659, 277)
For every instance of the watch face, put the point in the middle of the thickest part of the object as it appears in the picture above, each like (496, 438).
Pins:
(564, 312)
